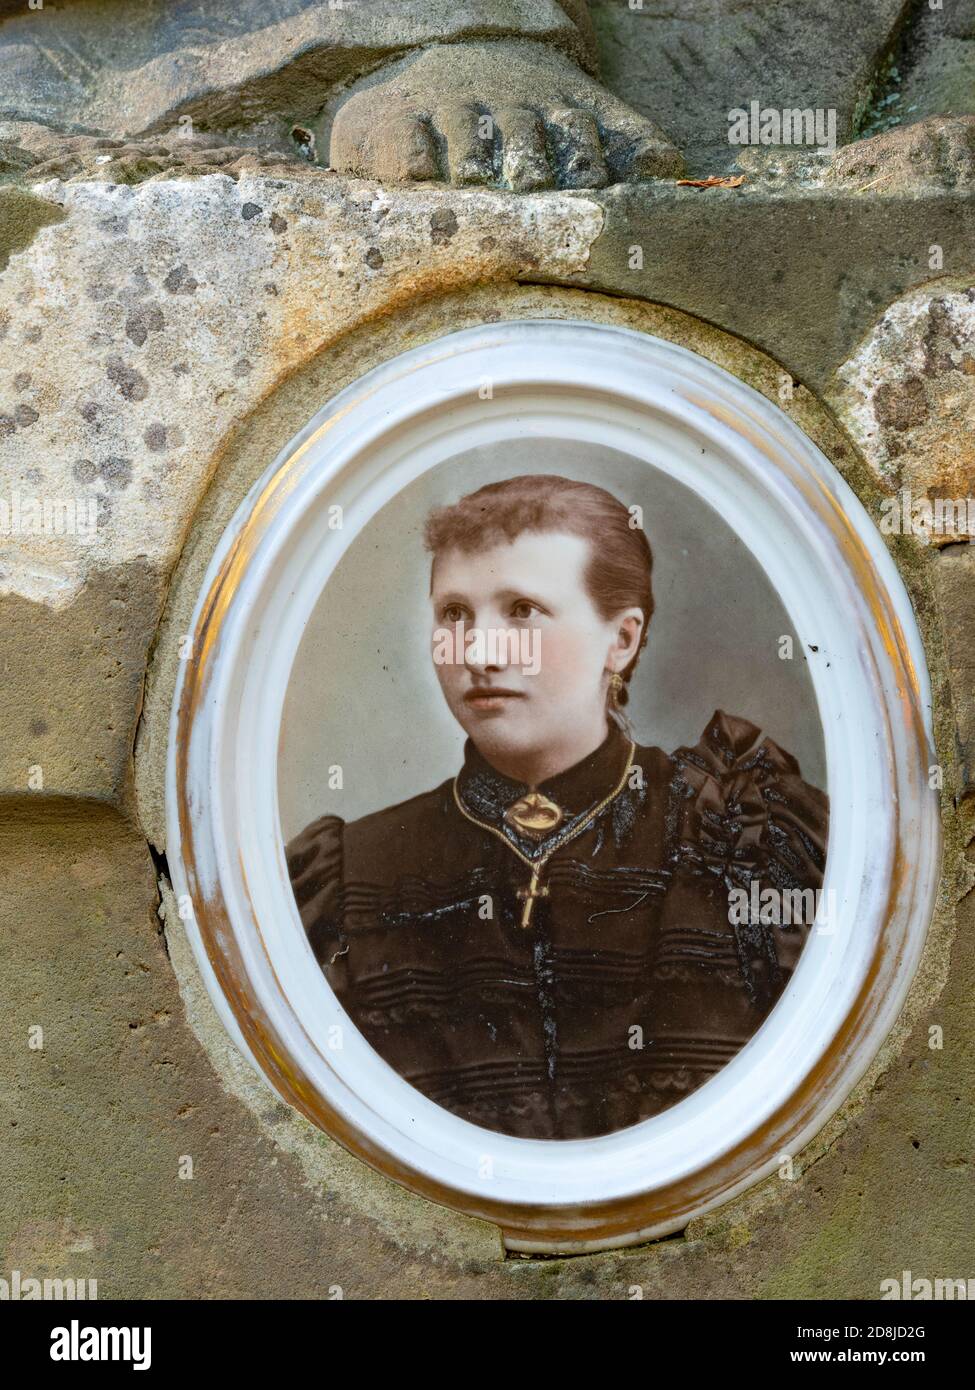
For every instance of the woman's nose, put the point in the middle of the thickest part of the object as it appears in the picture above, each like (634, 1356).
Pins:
(484, 650)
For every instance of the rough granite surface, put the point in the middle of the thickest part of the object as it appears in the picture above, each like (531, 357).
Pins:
(171, 312)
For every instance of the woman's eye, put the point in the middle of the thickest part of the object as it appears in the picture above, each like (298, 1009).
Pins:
(453, 613)
(523, 610)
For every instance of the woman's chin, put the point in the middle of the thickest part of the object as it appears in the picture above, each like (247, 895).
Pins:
(504, 747)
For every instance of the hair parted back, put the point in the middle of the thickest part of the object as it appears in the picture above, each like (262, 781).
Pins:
(618, 574)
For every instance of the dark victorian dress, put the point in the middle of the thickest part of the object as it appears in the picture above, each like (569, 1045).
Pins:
(567, 986)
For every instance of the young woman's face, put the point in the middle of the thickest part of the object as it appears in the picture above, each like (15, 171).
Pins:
(521, 653)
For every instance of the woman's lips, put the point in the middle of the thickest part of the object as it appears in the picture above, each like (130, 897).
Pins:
(488, 697)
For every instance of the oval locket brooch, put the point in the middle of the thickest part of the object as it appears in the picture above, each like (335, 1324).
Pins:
(534, 815)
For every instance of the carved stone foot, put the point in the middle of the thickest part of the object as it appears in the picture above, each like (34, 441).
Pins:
(510, 114)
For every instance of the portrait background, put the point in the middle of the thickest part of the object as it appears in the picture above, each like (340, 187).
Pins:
(363, 693)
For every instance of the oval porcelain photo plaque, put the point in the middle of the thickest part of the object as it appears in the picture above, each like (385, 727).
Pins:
(550, 781)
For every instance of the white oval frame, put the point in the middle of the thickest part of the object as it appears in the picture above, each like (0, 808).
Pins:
(844, 596)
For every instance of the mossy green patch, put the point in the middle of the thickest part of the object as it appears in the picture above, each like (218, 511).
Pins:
(22, 215)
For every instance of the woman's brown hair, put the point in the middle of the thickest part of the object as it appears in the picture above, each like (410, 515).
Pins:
(620, 559)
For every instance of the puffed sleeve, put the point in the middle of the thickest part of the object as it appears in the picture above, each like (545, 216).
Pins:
(744, 814)
(314, 860)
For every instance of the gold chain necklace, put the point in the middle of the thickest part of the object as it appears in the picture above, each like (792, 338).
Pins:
(529, 895)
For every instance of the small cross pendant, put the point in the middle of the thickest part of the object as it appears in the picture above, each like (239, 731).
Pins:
(528, 896)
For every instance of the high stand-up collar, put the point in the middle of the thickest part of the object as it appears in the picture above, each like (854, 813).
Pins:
(487, 794)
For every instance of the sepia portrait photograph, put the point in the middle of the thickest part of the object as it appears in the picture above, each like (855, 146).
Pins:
(552, 785)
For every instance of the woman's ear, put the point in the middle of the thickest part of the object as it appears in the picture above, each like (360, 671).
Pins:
(628, 628)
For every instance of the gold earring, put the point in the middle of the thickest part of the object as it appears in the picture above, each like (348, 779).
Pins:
(616, 684)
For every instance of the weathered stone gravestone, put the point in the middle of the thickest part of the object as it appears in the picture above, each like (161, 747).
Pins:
(719, 261)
